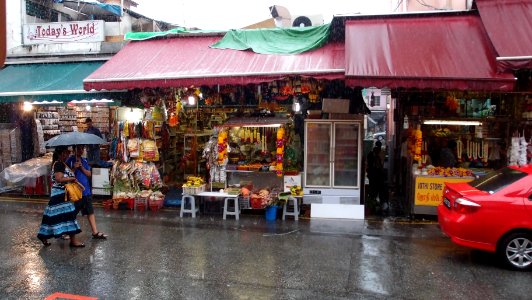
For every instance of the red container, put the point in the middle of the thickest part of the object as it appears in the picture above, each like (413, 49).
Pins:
(256, 202)
(141, 207)
(158, 203)
(108, 204)
(154, 207)
(130, 203)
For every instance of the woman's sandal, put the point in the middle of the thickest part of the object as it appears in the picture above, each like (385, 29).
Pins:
(45, 242)
(99, 236)
(72, 245)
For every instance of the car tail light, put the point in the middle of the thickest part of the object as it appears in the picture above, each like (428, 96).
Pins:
(462, 205)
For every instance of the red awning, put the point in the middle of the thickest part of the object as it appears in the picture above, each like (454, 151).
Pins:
(422, 51)
(185, 61)
(509, 26)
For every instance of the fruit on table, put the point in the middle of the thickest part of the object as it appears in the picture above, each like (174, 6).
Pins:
(296, 190)
(193, 181)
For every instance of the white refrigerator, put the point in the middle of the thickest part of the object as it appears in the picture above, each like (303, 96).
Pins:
(333, 168)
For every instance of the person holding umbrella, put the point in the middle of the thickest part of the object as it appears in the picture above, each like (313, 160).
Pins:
(83, 173)
(93, 151)
(59, 216)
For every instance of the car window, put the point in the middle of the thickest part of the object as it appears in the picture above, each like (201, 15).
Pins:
(497, 180)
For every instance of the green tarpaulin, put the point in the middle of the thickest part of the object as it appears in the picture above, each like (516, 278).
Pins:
(141, 36)
(292, 40)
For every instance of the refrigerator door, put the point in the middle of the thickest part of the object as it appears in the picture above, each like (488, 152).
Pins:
(346, 155)
(318, 138)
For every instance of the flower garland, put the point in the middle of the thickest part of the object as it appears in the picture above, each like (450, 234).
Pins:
(424, 154)
(222, 147)
(459, 149)
(450, 172)
(485, 151)
(418, 135)
(279, 152)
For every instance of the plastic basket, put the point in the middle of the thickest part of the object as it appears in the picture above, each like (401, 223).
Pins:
(158, 203)
(141, 203)
(243, 202)
(193, 190)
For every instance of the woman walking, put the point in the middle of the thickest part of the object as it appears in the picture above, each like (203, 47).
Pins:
(59, 215)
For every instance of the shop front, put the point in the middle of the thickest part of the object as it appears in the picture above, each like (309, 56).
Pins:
(40, 101)
(234, 119)
(447, 100)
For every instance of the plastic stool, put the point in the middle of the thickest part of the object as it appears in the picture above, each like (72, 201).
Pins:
(192, 210)
(294, 212)
(235, 212)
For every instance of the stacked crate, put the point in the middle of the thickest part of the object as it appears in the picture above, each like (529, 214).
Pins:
(10, 147)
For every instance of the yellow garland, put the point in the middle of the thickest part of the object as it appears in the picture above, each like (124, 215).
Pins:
(280, 151)
(418, 144)
(222, 146)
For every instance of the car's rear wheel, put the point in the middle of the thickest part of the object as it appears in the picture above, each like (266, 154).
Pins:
(516, 251)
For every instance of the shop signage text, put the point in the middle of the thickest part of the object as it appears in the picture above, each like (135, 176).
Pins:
(64, 32)
(429, 190)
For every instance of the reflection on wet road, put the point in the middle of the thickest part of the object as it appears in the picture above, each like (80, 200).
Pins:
(160, 256)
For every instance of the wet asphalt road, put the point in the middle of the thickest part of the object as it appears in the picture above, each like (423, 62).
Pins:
(160, 256)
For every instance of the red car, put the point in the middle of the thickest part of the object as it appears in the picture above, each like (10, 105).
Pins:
(492, 213)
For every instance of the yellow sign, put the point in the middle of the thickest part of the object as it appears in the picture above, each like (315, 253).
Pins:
(429, 190)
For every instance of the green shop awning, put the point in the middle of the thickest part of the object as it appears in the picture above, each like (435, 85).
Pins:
(48, 81)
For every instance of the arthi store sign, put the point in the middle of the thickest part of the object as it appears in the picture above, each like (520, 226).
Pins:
(64, 32)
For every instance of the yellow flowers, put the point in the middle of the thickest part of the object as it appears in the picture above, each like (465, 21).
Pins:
(279, 152)
(222, 147)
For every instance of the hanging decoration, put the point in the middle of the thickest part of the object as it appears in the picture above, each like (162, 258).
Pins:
(222, 147)
(459, 149)
(280, 151)
(418, 142)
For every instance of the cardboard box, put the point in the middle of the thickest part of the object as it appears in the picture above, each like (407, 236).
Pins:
(335, 105)
(291, 180)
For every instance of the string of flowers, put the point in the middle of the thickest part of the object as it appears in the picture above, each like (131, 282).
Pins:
(279, 152)
(222, 147)
(418, 135)
(459, 149)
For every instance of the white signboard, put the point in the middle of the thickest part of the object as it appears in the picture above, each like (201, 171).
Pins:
(64, 32)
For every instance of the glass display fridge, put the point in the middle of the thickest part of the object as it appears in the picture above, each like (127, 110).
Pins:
(332, 175)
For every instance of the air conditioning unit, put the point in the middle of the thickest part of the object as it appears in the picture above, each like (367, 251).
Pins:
(305, 21)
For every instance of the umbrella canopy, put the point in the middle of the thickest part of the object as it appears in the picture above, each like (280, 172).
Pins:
(74, 138)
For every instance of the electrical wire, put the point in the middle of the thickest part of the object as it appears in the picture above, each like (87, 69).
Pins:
(398, 4)
(422, 2)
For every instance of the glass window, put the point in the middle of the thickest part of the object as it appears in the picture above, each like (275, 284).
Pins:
(497, 180)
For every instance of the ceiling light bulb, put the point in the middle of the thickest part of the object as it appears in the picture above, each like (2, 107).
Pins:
(27, 106)
(191, 100)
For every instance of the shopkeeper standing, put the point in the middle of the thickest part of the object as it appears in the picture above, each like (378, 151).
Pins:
(448, 155)
(93, 151)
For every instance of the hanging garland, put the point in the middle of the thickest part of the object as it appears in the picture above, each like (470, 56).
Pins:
(222, 147)
(459, 149)
(418, 143)
(280, 151)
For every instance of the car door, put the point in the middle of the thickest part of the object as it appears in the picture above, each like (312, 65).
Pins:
(528, 205)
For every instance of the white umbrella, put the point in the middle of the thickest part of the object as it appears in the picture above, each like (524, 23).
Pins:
(74, 138)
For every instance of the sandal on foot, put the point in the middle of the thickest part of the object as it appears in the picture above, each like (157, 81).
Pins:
(99, 236)
(77, 245)
(45, 242)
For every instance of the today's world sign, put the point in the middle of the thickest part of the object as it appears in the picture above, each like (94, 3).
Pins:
(64, 32)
